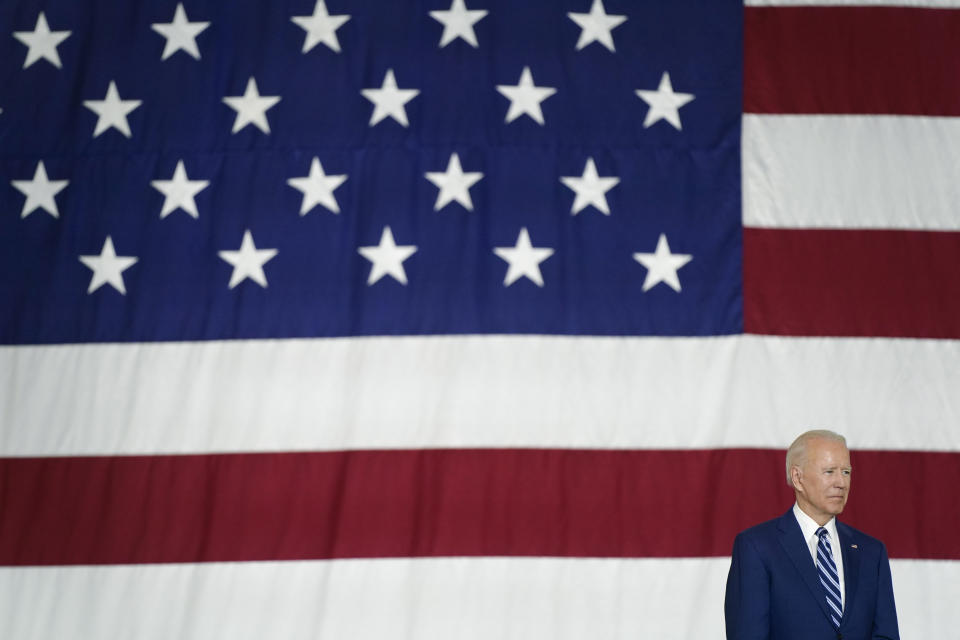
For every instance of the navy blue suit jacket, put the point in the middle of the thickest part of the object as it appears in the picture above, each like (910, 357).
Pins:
(774, 593)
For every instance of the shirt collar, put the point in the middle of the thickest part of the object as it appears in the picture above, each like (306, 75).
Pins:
(809, 526)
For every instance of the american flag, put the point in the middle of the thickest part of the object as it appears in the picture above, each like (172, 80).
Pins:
(465, 318)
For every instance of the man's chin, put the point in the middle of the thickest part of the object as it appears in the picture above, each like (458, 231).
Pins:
(837, 509)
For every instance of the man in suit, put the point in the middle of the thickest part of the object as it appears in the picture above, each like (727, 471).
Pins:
(804, 575)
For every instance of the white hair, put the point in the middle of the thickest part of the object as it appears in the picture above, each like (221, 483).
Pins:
(797, 453)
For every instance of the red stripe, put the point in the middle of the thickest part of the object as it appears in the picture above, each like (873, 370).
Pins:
(851, 283)
(851, 60)
(443, 503)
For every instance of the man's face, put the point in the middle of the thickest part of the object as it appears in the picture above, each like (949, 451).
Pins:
(822, 483)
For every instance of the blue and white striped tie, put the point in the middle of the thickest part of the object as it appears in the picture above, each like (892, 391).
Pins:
(827, 569)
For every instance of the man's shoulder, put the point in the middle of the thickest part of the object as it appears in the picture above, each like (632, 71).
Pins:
(859, 538)
(768, 528)
(762, 530)
(764, 533)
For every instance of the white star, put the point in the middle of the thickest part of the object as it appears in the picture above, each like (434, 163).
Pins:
(387, 258)
(179, 191)
(454, 184)
(40, 192)
(248, 261)
(590, 188)
(525, 97)
(112, 111)
(42, 42)
(251, 108)
(320, 27)
(596, 26)
(317, 188)
(388, 100)
(664, 103)
(662, 265)
(108, 268)
(458, 22)
(180, 34)
(524, 259)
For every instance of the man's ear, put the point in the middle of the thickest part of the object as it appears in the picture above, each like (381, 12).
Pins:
(796, 476)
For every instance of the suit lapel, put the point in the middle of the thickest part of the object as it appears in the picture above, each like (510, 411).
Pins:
(851, 563)
(791, 539)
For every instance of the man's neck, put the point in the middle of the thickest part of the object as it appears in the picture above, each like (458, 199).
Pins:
(808, 509)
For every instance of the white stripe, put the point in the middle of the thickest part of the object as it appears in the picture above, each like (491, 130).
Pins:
(494, 391)
(827, 558)
(884, 172)
(833, 590)
(416, 599)
(946, 4)
(426, 599)
(830, 572)
(927, 592)
(833, 605)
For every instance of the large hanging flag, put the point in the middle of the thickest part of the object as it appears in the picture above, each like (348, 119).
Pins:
(465, 318)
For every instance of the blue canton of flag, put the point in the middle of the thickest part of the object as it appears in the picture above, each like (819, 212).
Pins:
(211, 170)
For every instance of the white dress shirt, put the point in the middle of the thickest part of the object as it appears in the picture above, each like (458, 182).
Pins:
(809, 528)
